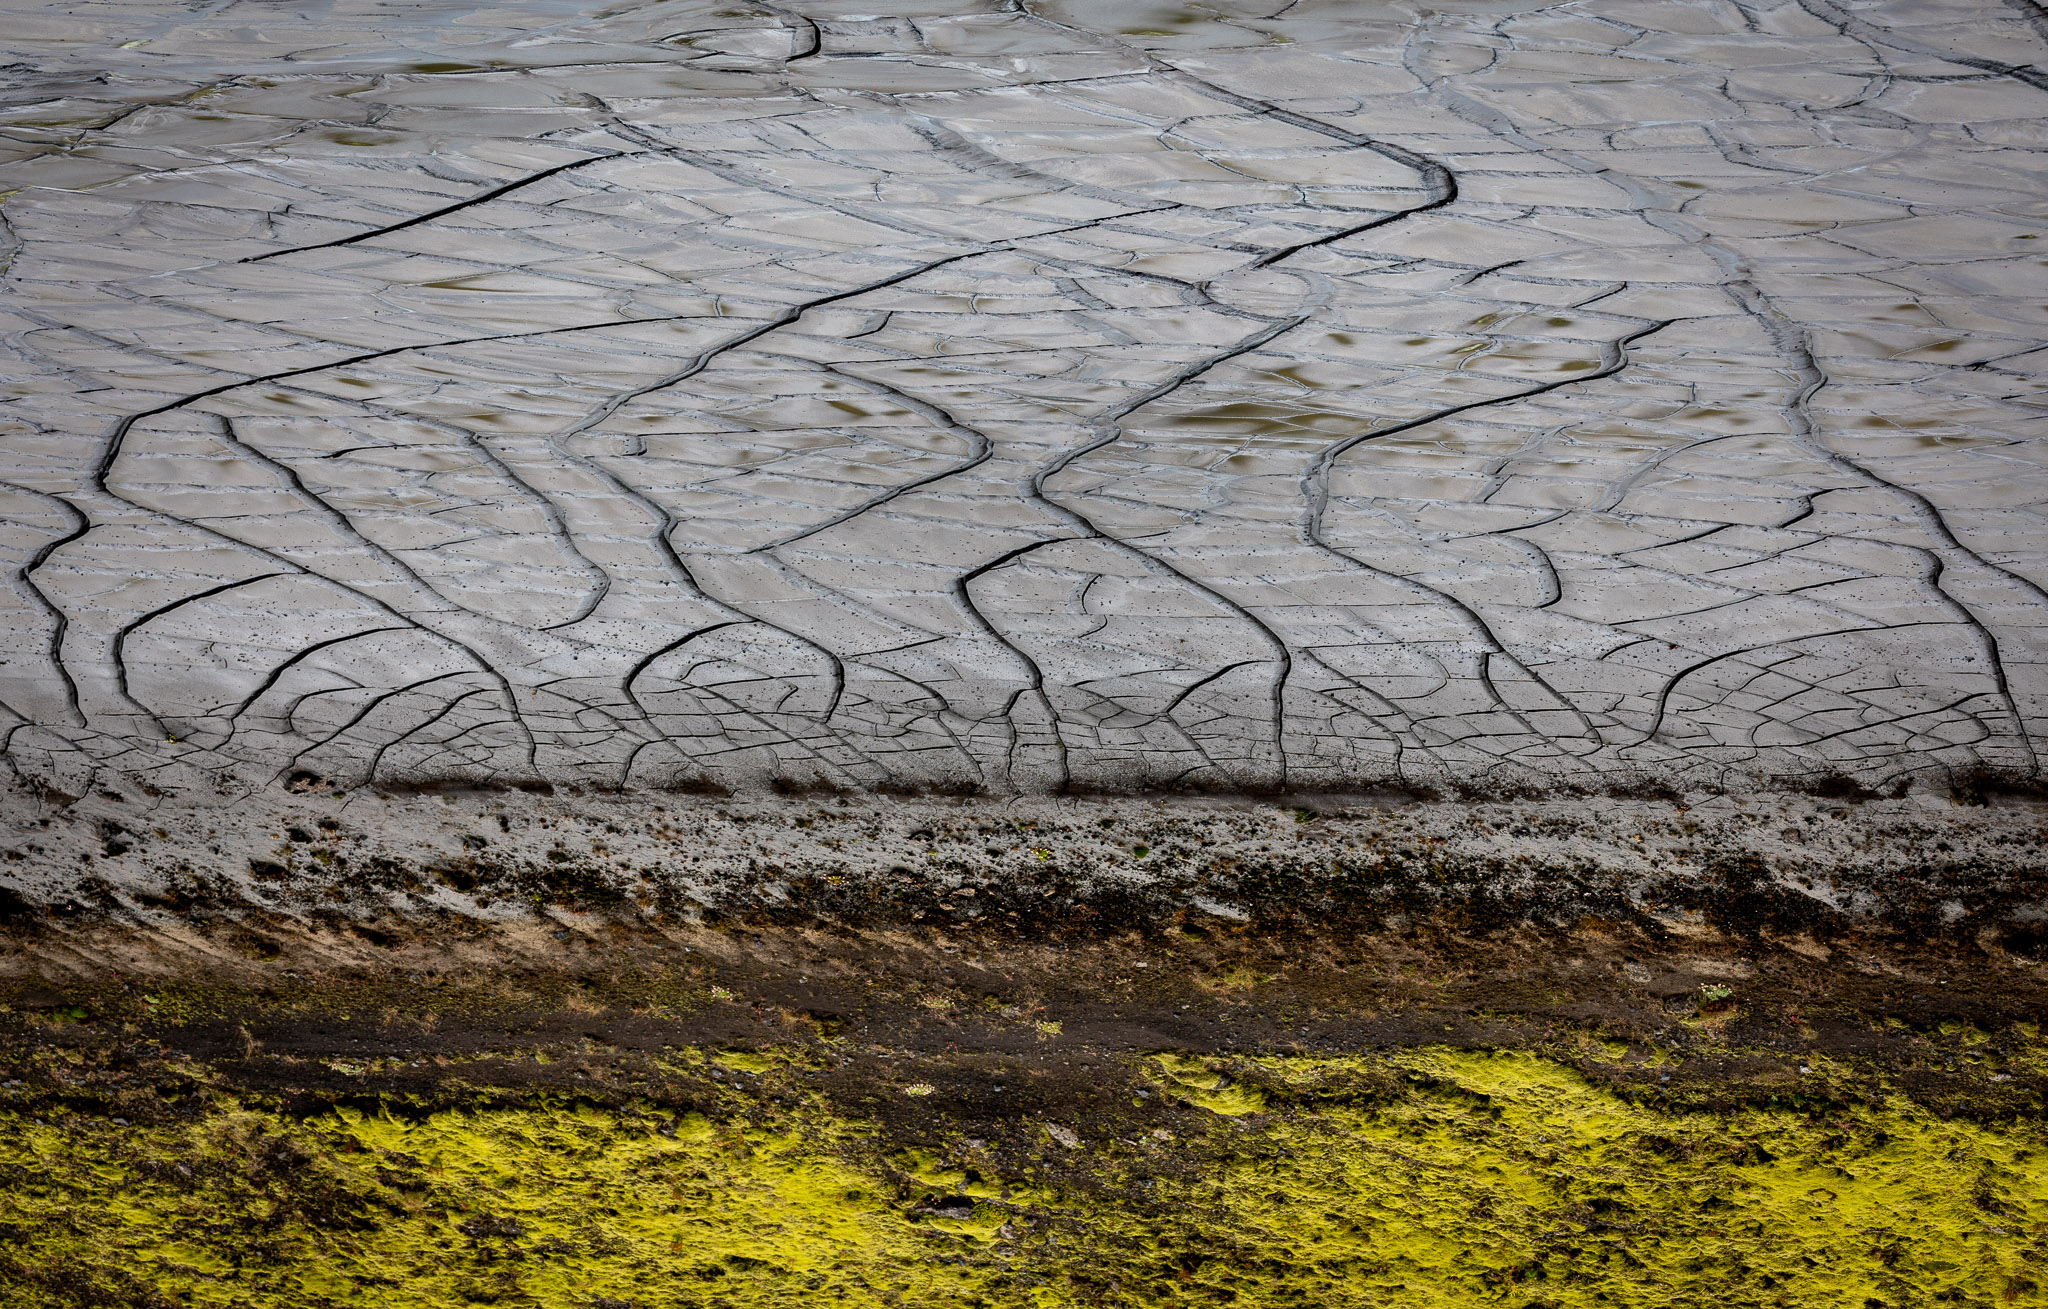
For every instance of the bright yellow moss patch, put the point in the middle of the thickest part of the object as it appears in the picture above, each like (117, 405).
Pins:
(1422, 1179)
(1190, 1080)
(1506, 1176)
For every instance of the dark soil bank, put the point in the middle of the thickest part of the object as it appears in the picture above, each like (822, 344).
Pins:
(927, 993)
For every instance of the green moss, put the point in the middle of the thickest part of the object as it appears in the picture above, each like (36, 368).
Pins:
(1431, 1178)
(1191, 1081)
(553, 1207)
(1506, 1175)
(745, 1061)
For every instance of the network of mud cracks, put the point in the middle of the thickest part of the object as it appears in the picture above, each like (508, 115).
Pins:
(1242, 396)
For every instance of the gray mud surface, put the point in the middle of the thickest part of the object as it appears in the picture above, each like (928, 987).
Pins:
(1022, 397)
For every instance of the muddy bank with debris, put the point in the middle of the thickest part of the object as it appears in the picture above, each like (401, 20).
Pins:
(222, 879)
(1075, 1052)
(418, 941)
(1370, 919)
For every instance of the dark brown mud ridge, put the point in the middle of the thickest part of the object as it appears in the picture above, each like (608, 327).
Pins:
(1023, 1029)
(1012, 958)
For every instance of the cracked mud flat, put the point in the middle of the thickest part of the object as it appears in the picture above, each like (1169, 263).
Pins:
(1022, 653)
(1012, 397)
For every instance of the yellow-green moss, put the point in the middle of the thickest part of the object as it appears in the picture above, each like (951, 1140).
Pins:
(1506, 1176)
(1191, 1080)
(1432, 1178)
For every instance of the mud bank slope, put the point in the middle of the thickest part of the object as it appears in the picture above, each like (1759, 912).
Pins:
(648, 1049)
